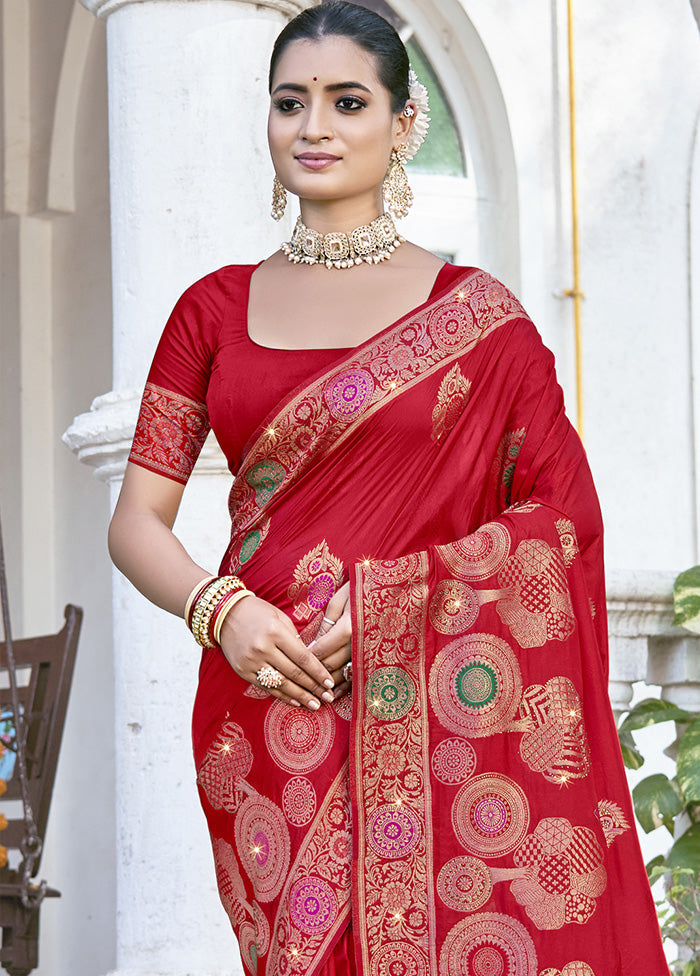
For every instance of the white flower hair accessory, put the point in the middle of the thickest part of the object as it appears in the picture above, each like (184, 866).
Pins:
(418, 93)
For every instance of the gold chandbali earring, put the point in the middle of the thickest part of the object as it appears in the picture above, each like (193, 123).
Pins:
(397, 192)
(279, 199)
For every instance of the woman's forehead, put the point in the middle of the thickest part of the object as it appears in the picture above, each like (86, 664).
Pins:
(328, 60)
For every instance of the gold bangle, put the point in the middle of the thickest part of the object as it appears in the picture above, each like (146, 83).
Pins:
(230, 602)
(193, 593)
(206, 603)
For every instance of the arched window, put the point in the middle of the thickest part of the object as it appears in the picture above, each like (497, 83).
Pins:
(464, 175)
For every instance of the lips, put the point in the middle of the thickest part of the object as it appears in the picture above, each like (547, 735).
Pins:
(317, 161)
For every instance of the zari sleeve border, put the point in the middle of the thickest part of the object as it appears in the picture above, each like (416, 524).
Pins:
(170, 432)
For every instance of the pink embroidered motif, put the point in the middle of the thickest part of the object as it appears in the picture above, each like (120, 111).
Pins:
(169, 433)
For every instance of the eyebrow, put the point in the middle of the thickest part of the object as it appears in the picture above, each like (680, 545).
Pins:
(338, 86)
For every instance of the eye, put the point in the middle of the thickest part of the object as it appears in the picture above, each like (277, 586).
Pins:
(350, 103)
(287, 104)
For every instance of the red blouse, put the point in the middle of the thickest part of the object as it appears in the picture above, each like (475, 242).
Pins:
(208, 372)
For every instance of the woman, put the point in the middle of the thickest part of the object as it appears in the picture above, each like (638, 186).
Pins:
(412, 503)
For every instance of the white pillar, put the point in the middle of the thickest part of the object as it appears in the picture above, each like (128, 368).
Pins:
(190, 191)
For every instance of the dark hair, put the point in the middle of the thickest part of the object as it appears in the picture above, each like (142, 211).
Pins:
(367, 29)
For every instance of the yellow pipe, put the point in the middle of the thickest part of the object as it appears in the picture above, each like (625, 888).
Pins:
(575, 292)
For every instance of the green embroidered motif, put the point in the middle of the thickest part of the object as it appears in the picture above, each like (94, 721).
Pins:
(476, 685)
(389, 693)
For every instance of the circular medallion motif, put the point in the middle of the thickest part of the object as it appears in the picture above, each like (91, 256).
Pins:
(321, 589)
(265, 477)
(488, 944)
(480, 554)
(464, 883)
(453, 761)
(490, 815)
(393, 831)
(299, 801)
(349, 394)
(454, 607)
(399, 959)
(475, 685)
(452, 325)
(313, 905)
(390, 572)
(299, 740)
(389, 693)
(262, 842)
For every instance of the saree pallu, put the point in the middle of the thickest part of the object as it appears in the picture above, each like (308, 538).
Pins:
(466, 808)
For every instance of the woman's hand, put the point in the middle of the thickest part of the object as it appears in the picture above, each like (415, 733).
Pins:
(333, 644)
(255, 634)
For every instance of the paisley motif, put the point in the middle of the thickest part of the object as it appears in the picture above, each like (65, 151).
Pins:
(316, 578)
(265, 477)
(227, 761)
(262, 842)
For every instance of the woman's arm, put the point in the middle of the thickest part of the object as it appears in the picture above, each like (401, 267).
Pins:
(143, 546)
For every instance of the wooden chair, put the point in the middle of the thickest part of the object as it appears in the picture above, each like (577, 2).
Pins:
(44, 671)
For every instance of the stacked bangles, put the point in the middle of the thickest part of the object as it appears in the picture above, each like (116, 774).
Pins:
(206, 609)
(209, 603)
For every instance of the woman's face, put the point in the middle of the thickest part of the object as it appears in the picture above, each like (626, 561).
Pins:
(331, 128)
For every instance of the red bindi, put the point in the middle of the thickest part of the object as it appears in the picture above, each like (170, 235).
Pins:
(315, 78)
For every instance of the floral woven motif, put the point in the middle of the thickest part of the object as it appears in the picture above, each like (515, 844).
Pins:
(170, 432)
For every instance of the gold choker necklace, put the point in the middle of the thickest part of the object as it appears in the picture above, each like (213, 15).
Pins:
(370, 243)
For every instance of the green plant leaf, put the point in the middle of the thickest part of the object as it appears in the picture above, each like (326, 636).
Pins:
(656, 868)
(686, 600)
(685, 853)
(656, 802)
(631, 756)
(650, 712)
(688, 763)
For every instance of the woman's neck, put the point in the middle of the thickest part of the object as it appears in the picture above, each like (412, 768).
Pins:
(339, 216)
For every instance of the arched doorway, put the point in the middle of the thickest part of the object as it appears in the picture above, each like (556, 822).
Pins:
(464, 176)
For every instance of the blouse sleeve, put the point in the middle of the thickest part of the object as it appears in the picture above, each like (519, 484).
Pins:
(173, 421)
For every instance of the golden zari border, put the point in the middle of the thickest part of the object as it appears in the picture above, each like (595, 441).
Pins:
(317, 418)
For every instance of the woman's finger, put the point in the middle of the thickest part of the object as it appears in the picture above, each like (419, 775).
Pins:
(336, 606)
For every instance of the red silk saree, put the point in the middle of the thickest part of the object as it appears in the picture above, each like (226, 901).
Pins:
(466, 808)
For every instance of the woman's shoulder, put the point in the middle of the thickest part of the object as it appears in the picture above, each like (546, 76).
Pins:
(222, 280)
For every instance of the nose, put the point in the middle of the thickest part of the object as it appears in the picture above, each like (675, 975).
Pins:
(316, 122)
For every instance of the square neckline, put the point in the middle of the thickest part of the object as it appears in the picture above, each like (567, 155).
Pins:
(434, 291)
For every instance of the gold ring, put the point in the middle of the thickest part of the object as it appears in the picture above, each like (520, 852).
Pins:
(347, 671)
(269, 677)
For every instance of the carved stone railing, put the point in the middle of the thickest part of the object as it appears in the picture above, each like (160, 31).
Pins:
(644, 644)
